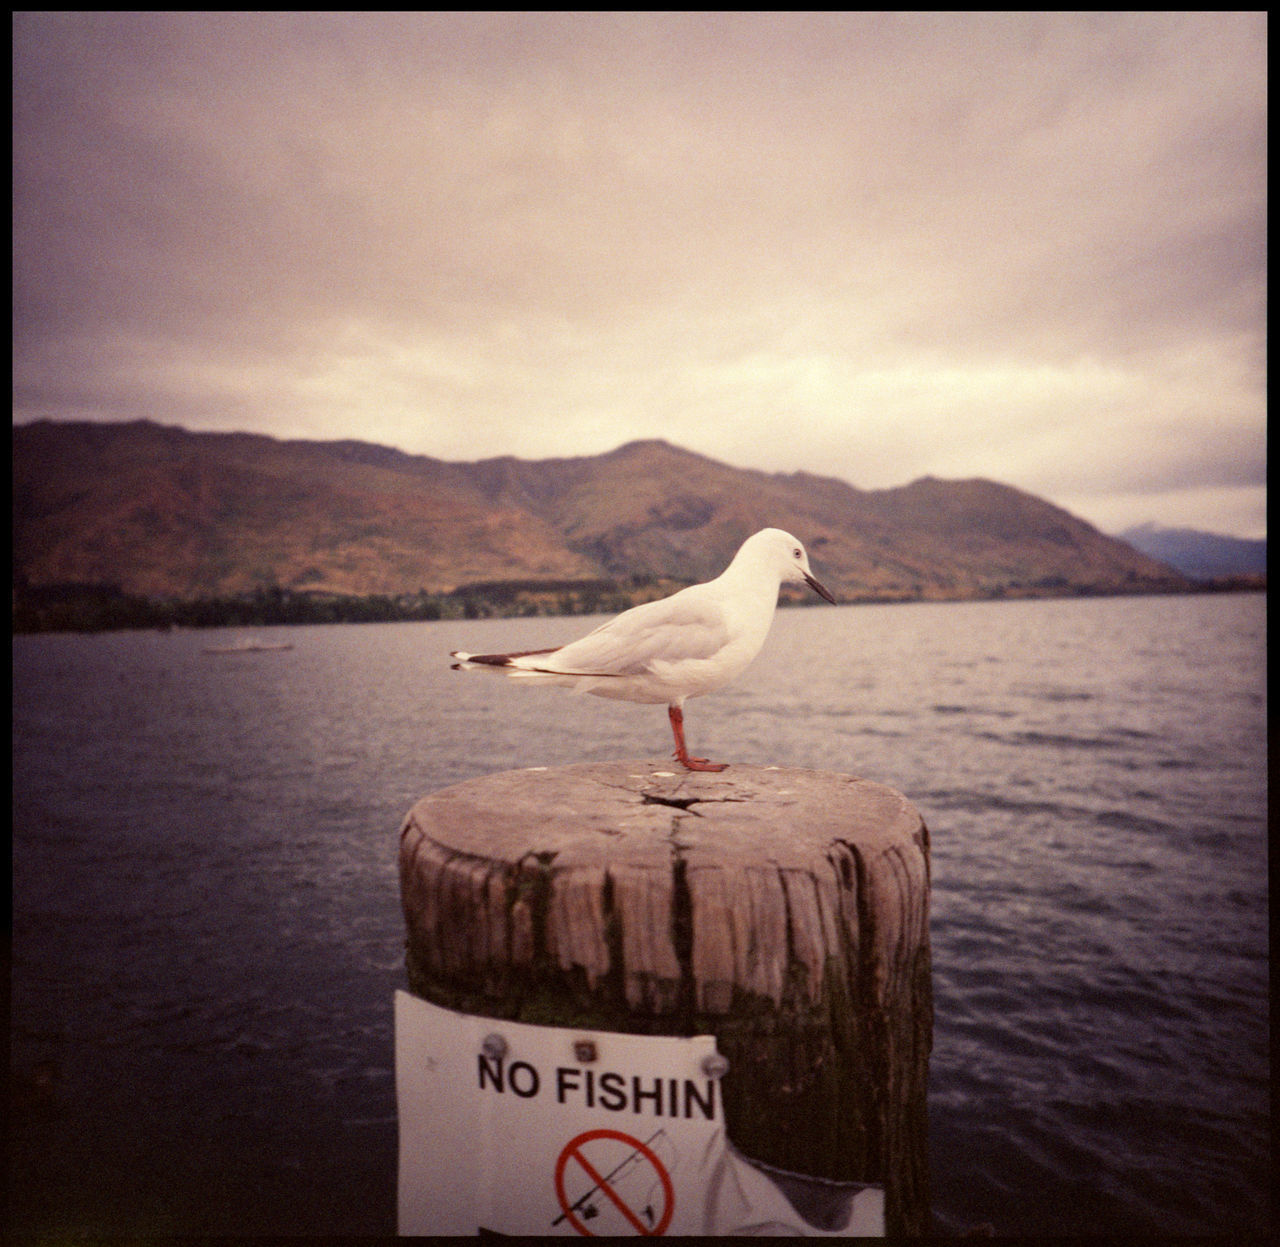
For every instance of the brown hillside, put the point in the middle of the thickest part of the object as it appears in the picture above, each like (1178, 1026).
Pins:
(162, 512)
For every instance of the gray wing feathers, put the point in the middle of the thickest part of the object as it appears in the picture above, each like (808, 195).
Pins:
(676, 629)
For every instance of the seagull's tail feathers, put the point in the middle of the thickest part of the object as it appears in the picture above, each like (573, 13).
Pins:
(529, 665)
(519, 666)
(523, 663)
(474, 662)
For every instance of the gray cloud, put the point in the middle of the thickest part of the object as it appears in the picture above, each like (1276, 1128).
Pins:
(1026, 246)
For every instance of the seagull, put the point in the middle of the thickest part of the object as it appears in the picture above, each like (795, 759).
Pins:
(693, 642)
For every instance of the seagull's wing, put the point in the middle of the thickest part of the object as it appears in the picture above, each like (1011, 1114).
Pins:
(686, 626)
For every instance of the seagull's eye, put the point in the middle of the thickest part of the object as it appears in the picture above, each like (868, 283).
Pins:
(798, 552)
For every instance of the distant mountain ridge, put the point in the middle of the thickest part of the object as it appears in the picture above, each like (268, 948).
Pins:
(162, 512)
(1200, 555)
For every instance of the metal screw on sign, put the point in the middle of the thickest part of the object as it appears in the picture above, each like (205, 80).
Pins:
(715, 1065)
(494, 1047)
(584, 1050)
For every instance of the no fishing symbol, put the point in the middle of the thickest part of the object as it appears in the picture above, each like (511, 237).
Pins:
(611, 1176)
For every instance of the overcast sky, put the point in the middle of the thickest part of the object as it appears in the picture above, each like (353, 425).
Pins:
(1022, 246)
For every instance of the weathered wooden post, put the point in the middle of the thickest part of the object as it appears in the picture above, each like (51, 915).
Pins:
(784, 912)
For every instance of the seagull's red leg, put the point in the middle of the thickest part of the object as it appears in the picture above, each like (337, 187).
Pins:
(676, 715)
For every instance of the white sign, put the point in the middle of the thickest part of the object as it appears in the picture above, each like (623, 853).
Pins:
(521, 1129)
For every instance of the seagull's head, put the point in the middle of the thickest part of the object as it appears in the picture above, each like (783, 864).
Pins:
(787, 554)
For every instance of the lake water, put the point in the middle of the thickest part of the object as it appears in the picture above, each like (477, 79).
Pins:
(207, 936)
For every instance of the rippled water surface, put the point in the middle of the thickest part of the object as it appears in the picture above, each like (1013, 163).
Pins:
(207, 931)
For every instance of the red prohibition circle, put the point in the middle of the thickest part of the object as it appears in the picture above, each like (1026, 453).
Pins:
(573, 1149)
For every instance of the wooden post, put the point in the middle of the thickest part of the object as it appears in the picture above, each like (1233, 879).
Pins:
(784, 911)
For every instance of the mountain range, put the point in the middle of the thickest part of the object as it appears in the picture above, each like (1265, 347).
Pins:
(161, 512)
(1200, 555)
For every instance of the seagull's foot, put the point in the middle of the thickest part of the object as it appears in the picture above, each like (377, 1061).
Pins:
(697, 764)
(681, 753)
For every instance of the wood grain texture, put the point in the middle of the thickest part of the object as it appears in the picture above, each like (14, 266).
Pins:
(785, 911)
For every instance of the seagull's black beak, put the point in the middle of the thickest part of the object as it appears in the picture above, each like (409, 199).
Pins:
(818, 589)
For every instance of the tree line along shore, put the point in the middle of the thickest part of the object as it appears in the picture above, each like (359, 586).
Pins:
(106, 608)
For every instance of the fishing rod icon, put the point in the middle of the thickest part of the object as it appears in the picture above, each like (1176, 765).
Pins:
(645, 1217)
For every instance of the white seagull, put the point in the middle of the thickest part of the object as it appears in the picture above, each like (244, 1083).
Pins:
(693, 642)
